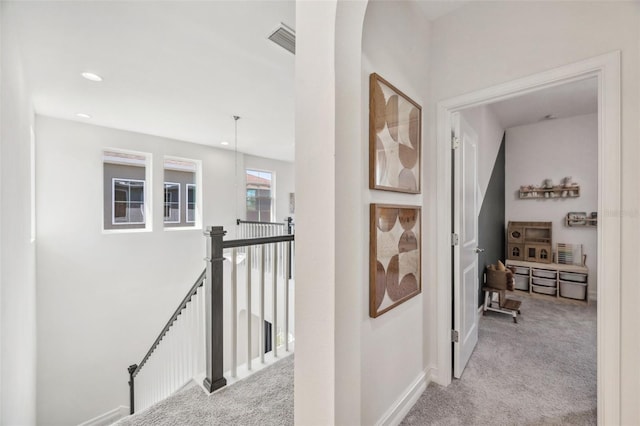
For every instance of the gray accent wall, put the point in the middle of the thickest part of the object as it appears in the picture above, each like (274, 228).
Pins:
(491, 220)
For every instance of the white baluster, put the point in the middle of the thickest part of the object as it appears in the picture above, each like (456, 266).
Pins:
(286, 295)
(234, 315)
(250, 253)
(263, 249)
(274, 330)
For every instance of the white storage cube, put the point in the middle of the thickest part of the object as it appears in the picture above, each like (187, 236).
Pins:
(573, 276)
(522, 282)
(542, 273)
(543, 282)
(544, 290)
(573, 290)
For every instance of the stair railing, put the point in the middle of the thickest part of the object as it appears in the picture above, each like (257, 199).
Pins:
(179, 358)
(193, 336)
(252, 229)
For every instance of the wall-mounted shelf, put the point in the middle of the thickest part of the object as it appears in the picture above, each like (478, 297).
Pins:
(531, 192)
(574, 220)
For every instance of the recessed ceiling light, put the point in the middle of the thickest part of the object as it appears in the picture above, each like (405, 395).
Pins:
(83, 115)
(91, 76)
(225, 143)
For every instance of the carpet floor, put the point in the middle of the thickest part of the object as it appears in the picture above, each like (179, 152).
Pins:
(265, 398)
(541, 371)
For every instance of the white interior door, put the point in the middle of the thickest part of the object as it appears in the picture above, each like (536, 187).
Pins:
(465, 223)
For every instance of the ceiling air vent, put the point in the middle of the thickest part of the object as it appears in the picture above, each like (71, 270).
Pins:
(284, 37)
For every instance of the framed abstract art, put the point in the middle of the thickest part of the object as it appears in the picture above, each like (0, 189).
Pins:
(395, 129)
(394, 258)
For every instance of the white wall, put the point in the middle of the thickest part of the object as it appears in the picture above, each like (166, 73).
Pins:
(486, 43)
(103, 297)
(485, 122)
(394, 45)
(554, 149)
(17, 273)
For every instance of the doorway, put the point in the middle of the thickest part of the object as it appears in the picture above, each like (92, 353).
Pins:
(606, 70)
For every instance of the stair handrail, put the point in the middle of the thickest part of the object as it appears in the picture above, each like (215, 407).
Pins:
(256, 222)
(135, 368)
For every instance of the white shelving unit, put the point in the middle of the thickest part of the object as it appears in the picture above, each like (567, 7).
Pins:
(568, 282)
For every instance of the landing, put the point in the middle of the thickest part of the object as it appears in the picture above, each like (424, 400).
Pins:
(265, 398)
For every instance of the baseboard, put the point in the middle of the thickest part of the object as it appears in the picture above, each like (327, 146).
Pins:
(108, 418)
(397, 412)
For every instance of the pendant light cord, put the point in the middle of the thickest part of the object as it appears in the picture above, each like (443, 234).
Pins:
(236, 118)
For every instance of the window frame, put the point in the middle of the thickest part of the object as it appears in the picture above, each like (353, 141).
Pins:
(113, 201)
(195, 203)
(272, 193)
(165, 203)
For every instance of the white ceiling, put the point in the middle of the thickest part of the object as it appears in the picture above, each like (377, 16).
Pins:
(434, 9)
(173, 69)
(567, 100)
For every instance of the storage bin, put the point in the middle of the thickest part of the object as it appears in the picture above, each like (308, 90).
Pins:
(573, 276)
(542, 273)
(522, 282)
(543, 282)
(544, 290)
(522, 270)
(573, 290)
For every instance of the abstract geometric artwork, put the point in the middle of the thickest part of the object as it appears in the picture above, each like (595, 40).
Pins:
(395, 128)
(394, 265)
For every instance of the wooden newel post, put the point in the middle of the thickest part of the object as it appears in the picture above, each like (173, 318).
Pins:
(131, 369)
(289, 232)
(213, 309)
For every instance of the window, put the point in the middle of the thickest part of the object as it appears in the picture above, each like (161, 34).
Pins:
(259, 195)
(180, 206)
(171, 202)
(191, 203)
(126, 199)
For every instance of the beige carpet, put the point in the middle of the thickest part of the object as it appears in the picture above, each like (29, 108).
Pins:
(541, 371)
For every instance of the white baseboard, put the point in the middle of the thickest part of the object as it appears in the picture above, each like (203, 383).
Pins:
(397, 412)
(108, 418)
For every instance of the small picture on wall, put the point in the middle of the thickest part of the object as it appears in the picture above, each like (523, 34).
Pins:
(394, 265)
(395, 128)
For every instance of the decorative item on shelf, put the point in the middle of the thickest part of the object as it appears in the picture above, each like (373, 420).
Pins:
(548, 190)
(581, 219)
(569, 254)
(395, 128)
(394, 258)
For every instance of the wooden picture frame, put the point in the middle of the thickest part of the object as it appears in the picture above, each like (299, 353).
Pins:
(395, 137)
(394, 256)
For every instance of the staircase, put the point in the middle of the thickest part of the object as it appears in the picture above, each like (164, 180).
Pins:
(235, 319)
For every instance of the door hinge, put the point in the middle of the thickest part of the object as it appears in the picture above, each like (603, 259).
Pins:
(455, 142)
(455, 336)
(454, 239)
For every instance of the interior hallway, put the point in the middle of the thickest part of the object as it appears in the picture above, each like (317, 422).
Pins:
(541, 370)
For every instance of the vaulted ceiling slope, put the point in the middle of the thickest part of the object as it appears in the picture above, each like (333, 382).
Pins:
(170, 68)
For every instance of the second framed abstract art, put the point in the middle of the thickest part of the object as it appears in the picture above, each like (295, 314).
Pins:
(394, 275)
(395, 128)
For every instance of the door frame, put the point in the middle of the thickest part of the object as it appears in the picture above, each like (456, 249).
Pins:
(606, 68)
